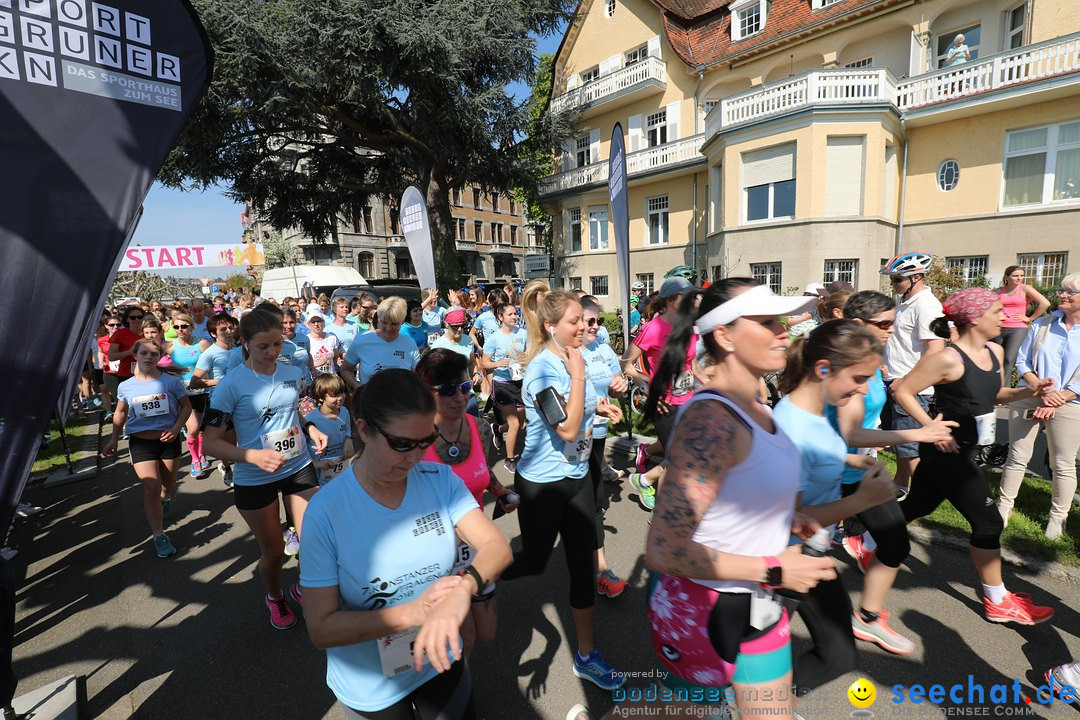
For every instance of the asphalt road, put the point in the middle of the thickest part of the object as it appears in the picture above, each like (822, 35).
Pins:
(189, 636)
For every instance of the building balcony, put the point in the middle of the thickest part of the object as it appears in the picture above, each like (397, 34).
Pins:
(661, 158)
(1023, 69)
(466, 245)
(628, 84)
(501, 247)
(396, 241)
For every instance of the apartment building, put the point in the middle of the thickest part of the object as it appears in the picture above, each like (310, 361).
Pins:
(827, 135)
(491, 232)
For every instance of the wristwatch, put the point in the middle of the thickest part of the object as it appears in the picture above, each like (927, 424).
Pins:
(480, 584)
(774, 574)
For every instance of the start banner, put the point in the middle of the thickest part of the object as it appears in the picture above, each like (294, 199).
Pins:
(157, 257)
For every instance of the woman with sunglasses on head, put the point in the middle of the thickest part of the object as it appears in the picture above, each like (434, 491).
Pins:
(270, 454)
(1016, 297)
(968, 383)
(718, 542)
(461, 444)
(1051, 351)
(385, 348)
(185, 352)
(557, 498)
(151, 408)
(504, 349)
(605, 373)
(395, 653)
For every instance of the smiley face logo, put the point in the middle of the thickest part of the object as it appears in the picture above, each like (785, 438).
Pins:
(861, 693)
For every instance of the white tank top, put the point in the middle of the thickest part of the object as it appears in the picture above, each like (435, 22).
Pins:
(752, 513)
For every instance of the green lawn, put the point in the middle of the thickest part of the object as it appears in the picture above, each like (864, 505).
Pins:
(1024, 533)
(51, 457)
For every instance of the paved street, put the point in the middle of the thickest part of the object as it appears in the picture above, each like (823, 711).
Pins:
(189, 636)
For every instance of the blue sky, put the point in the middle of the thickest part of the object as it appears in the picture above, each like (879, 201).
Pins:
(173, 217)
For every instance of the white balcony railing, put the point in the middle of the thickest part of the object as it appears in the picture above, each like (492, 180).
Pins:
(650, 68)
(842, 86)
(660, 157)
(1022, 65)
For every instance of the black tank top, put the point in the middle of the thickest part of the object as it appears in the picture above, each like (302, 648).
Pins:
(973, 394)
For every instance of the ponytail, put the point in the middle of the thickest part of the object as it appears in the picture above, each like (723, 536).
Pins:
(841, 343)
(673, 361)
(940, 327)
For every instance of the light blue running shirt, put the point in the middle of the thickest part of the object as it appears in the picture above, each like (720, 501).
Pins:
(370, 354)
(874, 402)
(546, 456)
(463, 346)
(214, 362)
(345, 334)
(376, 558)
(186, 356)
(511, 345)
(487, 323)
(295, 352)
(152, 404)
(601, 365)
(822, 449)
(265, 414)
(337, 430)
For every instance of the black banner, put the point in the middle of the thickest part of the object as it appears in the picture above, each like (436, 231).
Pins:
(93, 96)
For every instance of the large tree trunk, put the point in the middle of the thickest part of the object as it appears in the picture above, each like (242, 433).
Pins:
(444, 249)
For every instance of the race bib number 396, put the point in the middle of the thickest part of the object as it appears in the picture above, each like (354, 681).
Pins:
(287, 442)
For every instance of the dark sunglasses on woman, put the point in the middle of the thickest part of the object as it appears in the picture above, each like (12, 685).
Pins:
(464, 388)
(403, 444)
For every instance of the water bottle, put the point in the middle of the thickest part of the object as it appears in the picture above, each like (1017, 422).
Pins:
(818, 545)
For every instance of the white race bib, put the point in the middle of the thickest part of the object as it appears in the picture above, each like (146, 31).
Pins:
(578, 449)
(432, 337)
(395, 652)
(986, 427)
(764, 609)
(683, 385)
(463, 559)
(114, 366)
(287, 442)
(151, 405)
(516, 371)
(334, 470)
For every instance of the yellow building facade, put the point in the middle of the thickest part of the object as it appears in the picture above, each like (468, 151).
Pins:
(830, 135)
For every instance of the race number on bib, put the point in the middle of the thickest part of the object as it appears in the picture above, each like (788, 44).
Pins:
(578, 449)
(432, 337)
(151, 405)
(986, 427)
(683, 385)
(287, 442)
(114, 366)
(334, 470)
(463, 559)
(517, 372)
(395, 652)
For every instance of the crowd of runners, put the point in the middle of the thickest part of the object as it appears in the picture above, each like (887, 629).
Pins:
(362, 434)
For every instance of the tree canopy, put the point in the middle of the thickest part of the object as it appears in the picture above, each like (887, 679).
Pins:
(316, 105)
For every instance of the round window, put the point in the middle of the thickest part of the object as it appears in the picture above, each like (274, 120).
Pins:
(948, 175)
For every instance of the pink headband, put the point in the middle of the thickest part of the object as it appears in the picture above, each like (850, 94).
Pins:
(455, 317)
(967, 306)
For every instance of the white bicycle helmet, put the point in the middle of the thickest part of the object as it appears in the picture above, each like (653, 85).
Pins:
(638, 286)
(908, 264)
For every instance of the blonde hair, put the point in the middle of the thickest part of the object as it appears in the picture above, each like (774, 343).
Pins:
(393, 309)
(550, 310)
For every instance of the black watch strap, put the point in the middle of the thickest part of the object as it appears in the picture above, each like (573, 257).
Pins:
(480, 584)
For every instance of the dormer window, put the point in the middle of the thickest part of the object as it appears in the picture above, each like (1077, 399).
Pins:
(748, 18)
(819, 4)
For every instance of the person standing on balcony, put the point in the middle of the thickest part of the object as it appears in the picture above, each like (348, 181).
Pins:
(1015, 298)
(912, 339)
(959, 53)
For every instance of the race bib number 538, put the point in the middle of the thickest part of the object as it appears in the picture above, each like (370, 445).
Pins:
(151, 405)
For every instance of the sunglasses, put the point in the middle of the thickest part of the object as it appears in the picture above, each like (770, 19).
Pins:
(181, 327)
(464, 388)
(592, 322)
(880, 324)
(403, 445)
(1063, 291)
(113, 325)
(894, 279)
(456, 327)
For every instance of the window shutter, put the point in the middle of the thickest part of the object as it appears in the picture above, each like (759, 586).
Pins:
(673, 121)
(654, 47)
(770, 165)
(843, 176)
(572, 82)
(568, 154)
(610, 65)
(635, 132)
(594, 145)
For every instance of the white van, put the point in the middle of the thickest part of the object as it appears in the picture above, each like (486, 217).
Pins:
(281, 283)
